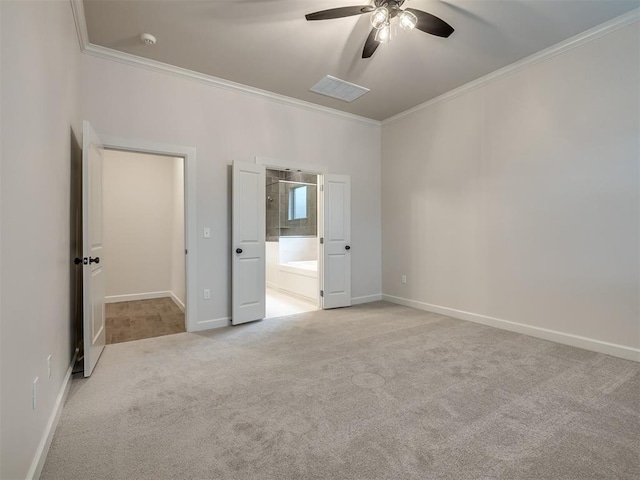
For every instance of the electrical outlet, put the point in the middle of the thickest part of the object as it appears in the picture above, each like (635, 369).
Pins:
(35, 392)
(207, 232)
(207, 294)
(404, 279)
(49, 366)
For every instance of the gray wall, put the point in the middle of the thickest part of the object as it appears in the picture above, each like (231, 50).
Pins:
(224, 126)
(518, 200)
(143, 224)
(40, 154)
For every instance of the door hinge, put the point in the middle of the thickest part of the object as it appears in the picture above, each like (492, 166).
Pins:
(322, 293)
(321, 240)
(186, 252)
(322, 188)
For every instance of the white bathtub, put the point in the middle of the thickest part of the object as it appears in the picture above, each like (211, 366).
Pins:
(303, 264)
(300, 278)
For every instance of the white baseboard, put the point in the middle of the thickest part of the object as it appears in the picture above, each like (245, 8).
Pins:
(132, 297)
(599, 346)
(209, 324)
(47, 437)
(298, 296)
(136, 296)
(177, 301)
(366, 299)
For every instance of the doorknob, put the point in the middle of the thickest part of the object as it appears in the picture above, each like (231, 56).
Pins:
(347, 247)
(94, 260)
(78, 261)
(238, 250)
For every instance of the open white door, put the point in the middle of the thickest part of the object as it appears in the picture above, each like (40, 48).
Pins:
(336, 250)
(248, 243)
(93, 287)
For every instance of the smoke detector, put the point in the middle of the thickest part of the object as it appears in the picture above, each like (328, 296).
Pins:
(148, 39)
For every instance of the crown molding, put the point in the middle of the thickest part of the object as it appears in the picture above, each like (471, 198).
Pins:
(135, 61)
(564, 46)
(77, 7)
(153, 65)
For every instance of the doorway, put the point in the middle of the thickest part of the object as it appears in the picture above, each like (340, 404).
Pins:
(292, 243)
(144, 243)
(95, 269)
(248, 238)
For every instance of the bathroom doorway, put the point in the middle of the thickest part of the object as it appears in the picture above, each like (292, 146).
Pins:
(330, 273)
(292, 242)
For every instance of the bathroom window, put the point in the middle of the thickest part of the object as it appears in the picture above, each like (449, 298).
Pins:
(298, 203)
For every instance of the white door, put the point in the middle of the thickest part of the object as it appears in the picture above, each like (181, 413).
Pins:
(248, 243)
(336, 255)
(93, 287)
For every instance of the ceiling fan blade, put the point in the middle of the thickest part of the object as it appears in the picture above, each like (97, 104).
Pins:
(339, 12)
(431, 24)
(370, 45)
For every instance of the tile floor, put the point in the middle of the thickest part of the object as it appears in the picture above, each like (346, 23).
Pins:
(279, 304)
(126, 321)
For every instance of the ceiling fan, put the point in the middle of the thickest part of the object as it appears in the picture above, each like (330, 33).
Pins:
(383, 12)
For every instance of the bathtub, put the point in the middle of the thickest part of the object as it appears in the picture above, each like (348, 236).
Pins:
(300, 278)
(304, 265)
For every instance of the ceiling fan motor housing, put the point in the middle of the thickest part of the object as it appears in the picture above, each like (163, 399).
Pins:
(390, 4)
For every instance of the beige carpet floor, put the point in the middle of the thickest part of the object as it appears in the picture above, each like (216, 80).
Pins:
(376, 391)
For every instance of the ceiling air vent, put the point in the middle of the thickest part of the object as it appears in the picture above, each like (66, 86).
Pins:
(336, 88)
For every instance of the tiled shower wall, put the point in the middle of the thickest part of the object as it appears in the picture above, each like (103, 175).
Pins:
(277, 206)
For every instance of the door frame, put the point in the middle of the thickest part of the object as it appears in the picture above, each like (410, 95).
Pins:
(190, 220)
(319, 170)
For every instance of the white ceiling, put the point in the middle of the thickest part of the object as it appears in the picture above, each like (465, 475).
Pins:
(268, 44)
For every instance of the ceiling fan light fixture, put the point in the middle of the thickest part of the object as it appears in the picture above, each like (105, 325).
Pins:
(380, 18)
(407, 20)
(383, 35)
(383, 13)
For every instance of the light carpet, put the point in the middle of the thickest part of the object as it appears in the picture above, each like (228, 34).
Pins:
(376, 391)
